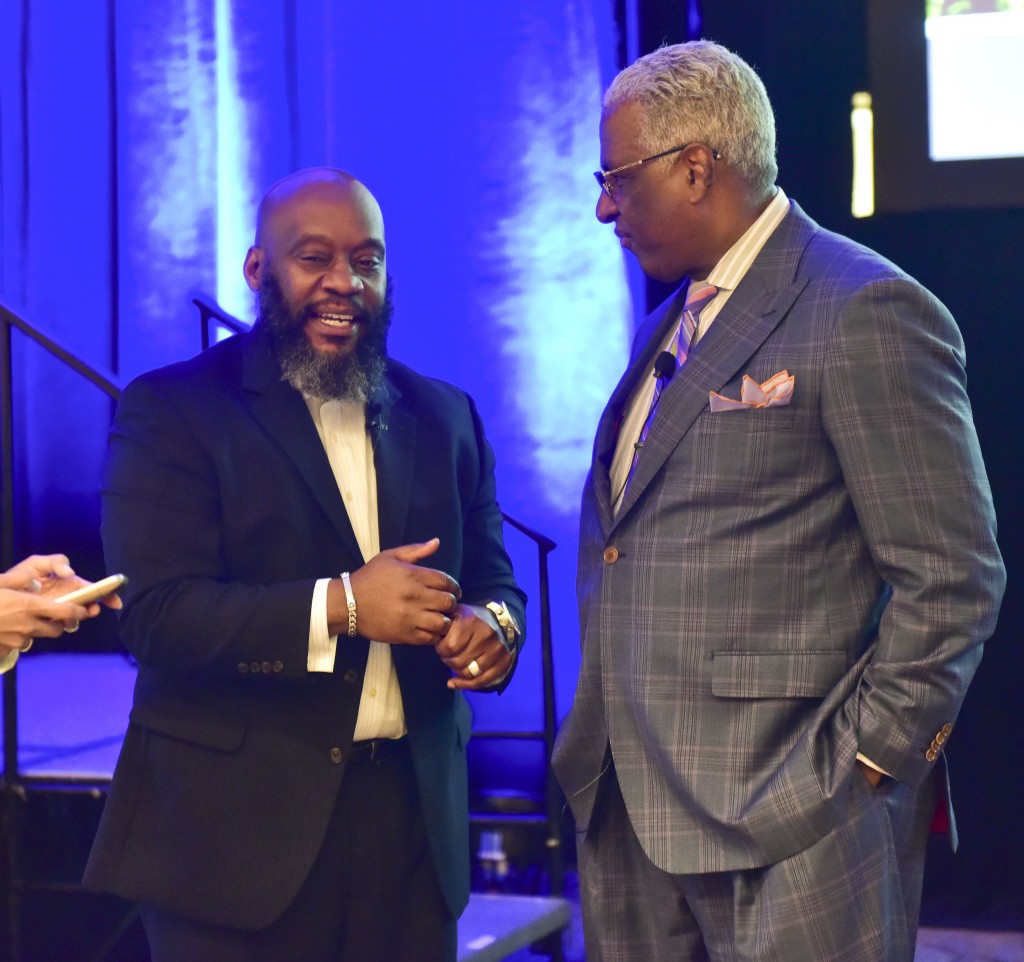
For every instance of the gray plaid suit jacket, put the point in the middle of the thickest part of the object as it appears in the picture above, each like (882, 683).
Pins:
(783, 587)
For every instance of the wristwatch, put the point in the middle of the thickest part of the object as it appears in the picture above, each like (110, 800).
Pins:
(509, 629)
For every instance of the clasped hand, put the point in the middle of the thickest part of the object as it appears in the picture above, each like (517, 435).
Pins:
(473, 640)
(399, 601)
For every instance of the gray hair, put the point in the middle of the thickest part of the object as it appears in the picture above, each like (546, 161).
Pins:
(699, 92)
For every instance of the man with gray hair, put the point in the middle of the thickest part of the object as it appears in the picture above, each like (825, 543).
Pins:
(787, 558)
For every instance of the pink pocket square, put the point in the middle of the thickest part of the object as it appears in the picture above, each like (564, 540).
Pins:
(775, 392)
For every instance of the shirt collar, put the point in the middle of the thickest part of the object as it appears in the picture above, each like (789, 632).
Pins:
(734, 264)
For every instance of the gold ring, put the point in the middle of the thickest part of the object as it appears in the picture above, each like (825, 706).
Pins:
(473, 668)
(28, 647)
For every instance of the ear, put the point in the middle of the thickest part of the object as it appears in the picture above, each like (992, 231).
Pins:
(253, 268)
(700, 169)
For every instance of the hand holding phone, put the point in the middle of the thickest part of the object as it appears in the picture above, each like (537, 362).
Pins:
(94, 592)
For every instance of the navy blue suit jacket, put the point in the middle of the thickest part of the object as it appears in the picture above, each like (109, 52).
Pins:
(220, 505)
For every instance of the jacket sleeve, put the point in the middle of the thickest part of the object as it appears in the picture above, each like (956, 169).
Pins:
(895, 407)
(487, 570)
(163, 525)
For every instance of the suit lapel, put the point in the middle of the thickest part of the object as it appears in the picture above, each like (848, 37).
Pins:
(283, 414)
(654, 330)
(755, 309)
(394, 440)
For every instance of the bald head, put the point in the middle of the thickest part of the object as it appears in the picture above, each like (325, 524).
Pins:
(324, 182)
(310, 215)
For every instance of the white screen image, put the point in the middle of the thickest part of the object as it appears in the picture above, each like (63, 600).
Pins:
(975, 79)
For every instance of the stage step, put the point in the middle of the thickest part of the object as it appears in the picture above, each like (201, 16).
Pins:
(495, 926)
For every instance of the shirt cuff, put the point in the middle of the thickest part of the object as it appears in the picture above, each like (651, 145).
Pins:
(867, 761)
(322, 643)
(7, 661)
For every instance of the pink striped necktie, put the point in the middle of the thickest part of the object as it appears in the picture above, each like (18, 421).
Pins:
(697, 298)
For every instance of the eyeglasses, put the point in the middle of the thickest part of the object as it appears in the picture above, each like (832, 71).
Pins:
(606, 178)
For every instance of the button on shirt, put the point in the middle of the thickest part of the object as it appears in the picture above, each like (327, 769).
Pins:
(342, 429)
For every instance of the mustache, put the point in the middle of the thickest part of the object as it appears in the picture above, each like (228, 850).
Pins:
(272, 312)
(333, 307)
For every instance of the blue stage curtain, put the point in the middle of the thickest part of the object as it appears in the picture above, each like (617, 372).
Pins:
(57, 260)
(137, 148)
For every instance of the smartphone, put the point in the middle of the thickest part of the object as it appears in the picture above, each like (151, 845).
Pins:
(90, 593)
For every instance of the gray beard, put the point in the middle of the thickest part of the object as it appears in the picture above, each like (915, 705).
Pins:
(318, 374)
(328, 377)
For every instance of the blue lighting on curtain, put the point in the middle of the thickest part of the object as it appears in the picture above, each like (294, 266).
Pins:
(235, 192)
(694, 20)
(474, 124)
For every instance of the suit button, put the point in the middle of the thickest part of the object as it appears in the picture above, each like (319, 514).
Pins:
(947, 730)
(255, 667)
(278, 667)
(243, 667)
(931, 754)
(337, 755)
(611, 555)
(351, 676)
(266, 667)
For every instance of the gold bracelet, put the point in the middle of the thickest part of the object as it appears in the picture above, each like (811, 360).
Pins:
(351, 601)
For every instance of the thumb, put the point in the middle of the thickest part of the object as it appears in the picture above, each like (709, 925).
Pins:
(411, 553)
(19, 581)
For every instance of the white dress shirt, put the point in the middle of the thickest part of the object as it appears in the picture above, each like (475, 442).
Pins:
(342, 429)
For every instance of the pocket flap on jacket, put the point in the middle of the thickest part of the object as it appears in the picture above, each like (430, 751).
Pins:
(776, 674)
(219, 730)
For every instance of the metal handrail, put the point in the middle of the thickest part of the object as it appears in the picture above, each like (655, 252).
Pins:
(103, 380)
(10, 783)
(211, 311)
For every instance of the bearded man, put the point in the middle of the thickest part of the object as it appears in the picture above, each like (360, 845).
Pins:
(316, 570)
